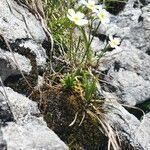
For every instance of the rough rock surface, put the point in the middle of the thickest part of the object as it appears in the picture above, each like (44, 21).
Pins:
(18, 22)
(125, 124)
(3, 145)
(21, 50)
(144, 132)
(8, 66)
(129, 68)
(28, 130)
(129, 128)
(24, 32)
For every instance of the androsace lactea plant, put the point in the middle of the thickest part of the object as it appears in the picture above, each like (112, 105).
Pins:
(88, 81)
(103, 15)
(84, 23)
(77, 17)
(90, 4)
(114, 42)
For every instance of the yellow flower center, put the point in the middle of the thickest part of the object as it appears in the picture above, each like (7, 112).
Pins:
(76, 18)
(91, 6)
(101, 16)
(115, 42)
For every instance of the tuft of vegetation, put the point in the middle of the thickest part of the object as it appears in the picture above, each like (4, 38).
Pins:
(70, 100)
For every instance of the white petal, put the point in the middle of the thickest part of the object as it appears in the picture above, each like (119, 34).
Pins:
(71, 12)
(79, 14)
(118, 40)
(82, 22)
(110, 37)
(83, 2)
(70, 17)
(105, 21)
(91, 2)
(112, 45)
(99, 7)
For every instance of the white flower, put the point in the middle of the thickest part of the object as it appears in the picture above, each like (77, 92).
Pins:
(77, 17)
(114, 42)
(103, 15)
(90, 4)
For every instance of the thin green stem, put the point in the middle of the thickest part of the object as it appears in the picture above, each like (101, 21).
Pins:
(71, 46)
(88, 51)
(88, 44)
(103, 51)
(95, 32)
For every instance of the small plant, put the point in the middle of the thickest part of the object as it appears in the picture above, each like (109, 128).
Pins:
(72, 32)
(69, 81)
(89, 86)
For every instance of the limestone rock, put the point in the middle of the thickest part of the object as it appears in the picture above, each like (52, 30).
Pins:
(27, 131)
(129, 68)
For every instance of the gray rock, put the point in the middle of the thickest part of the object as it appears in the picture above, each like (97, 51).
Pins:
(20, 105)
(133, 133)
(5, 112)
(146, 17)
(9, 67)
(17, 22)
(129, 68)
(21, 124)
(125, 124)
(143, 133)
(145, 2)
(31, 133)
(39, 51)
(135, 22)
(129, 72)
(28, 131)
(25, 34)
(3, 145)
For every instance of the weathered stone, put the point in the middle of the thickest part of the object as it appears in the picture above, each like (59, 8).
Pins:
(143, 132)
(21, 51)
(39, 52)
(31, 133)
(2, 142)
(128, 68)
(28, 131)
(18, 23)
(127, 72)
(9, 67)
(25, 35)
(125, 124)
(5, 112)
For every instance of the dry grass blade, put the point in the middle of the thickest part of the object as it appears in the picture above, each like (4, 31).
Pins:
(107, 129)
(75, 118)
(83, 117)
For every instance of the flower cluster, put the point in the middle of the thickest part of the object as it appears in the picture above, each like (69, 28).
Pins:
(79, 18)
(114, 42)
(90, 4)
